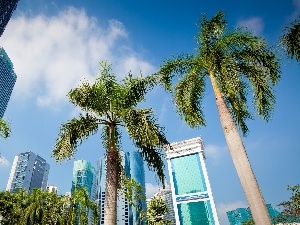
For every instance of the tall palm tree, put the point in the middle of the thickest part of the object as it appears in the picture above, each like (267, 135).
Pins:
(111, 106)
(291, 39)
(233, 61)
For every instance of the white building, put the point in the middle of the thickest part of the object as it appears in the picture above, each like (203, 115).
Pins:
(51, 188)
(191, 192)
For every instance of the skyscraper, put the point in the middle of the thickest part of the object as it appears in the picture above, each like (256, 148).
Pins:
(28, 171)
(134, 168)
(84, 177)
(7, 8)
(192, 195)
(7, 80)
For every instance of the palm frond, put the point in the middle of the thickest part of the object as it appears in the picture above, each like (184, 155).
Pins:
(188, 97)
(177, 66)
(148, 137)
(135, 89)
(4, 128)
(72, 134)
(291, 39)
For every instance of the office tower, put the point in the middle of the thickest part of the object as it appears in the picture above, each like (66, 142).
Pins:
(166, 195)
(134, 168)
(240, 215)
(84, 177)
(51, 188)
(7, 80)
(192, 195)
(7, 8)
(28, 171)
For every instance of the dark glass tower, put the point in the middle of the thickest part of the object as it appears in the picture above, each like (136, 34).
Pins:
(7, 80)
(7, 8)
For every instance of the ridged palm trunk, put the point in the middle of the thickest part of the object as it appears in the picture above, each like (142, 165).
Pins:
(240, 160)
(110, 204)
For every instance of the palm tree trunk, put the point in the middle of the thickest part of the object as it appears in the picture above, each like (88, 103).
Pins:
(240, 160)
(110, 204)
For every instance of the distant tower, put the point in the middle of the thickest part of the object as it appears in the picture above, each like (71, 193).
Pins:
(28, 171)
(166, 195)
(7, 8)
(134, 168)
(192, 196)
(51, 188)
(84, 176)
(7, 80)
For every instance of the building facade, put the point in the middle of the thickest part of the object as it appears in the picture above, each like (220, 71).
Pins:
(28, 171)
(7, 80)
(191, 192)
(7, 7)
(240, 215)
(52, 189)
(134, 168)
(84, 176)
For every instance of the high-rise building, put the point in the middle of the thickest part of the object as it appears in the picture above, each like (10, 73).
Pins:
(191, 192)
(51, 188)
(7, 8)
(240, 215)
(7, 80)
(166, 195)
(28, 171)
(84, 177)
(134, 168)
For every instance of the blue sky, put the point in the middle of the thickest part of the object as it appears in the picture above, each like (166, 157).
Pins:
(54, 45)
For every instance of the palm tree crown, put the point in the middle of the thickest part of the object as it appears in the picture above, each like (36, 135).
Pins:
(112, 106)
(235, 61)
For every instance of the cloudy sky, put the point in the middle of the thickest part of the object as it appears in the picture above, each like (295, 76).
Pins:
(55, 45)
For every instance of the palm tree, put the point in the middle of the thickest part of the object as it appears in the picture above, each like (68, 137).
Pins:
(234, 62)
(291, 39)
(111, 106)
(77, 207)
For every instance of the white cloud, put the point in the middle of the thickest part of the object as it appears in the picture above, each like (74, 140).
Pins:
(151, 189)
(254, 24)
(222, 208)
(51, 55)
(214, 152)
(4, 162)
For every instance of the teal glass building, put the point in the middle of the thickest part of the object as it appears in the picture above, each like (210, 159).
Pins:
(191, 192)
(84, 176)
(240, 215)
(7, 80)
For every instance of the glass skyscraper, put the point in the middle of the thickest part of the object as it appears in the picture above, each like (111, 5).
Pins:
(28, 171)
(84, 177)
(191, 192)
(7, 80)
(134, 168)
(7, 8)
